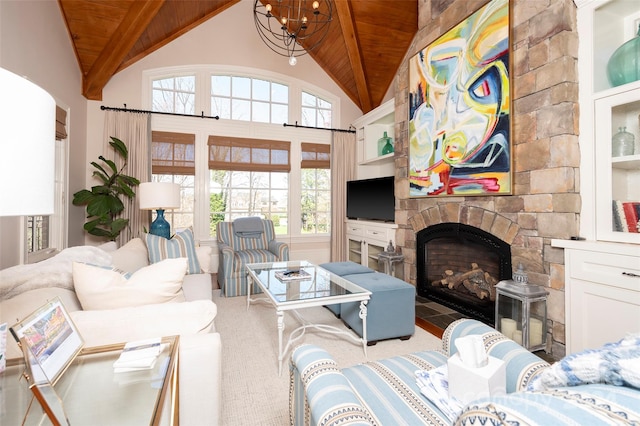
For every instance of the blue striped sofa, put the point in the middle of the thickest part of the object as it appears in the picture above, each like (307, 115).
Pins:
(236, 251)
(385, 392)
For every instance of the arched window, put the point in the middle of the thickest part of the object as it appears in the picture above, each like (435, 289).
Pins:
(237, 170)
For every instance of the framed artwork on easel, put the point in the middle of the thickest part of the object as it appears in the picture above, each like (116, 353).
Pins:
(50, 342)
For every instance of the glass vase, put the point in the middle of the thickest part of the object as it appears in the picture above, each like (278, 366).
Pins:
(385, 145)
(622, 143)
(624, 65)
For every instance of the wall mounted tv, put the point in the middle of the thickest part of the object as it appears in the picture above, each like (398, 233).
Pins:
(371, 199)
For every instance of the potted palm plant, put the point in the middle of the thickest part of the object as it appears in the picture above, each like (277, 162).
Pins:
(104, 202)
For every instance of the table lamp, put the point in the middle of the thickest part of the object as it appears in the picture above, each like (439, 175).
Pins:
(27, 162)
(159, 196)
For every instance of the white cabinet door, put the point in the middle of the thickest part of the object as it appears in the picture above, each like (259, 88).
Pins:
(617, 177)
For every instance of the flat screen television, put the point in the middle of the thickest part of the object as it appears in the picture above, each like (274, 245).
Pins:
(371, 199)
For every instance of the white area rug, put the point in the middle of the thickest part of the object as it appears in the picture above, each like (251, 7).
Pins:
(252, 392)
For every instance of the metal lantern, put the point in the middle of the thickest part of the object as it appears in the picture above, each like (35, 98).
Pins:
(390, 261)
(521, 311)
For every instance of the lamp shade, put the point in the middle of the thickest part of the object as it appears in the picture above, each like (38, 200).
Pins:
(159, 195)
(27, 147)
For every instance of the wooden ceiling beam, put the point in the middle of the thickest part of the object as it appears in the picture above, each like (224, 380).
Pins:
(347, 23)
(132, 26)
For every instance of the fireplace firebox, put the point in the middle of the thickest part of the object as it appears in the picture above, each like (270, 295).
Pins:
(458, 266)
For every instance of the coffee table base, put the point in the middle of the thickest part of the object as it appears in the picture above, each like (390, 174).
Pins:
(299, 332)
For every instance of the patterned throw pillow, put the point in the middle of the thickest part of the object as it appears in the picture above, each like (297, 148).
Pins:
(614, 363)
(181, 245)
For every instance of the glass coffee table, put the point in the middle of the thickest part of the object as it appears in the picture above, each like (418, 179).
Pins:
(295, 285)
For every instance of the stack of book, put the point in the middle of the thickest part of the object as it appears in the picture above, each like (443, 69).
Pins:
(138, 355)
(626, 216)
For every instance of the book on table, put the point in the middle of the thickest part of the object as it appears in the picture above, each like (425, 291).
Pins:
(138, 355)
(293, 275)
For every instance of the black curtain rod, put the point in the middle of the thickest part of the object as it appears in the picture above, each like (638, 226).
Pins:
(142, 111)
(349, 130)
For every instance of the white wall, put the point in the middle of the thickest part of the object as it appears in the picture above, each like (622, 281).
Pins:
(34, 43)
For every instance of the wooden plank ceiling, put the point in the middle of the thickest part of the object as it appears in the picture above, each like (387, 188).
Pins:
(365, 45)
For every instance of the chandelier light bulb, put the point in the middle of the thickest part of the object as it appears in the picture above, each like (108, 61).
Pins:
(268, 7)
(304, 19)
(284, 20)
(292, 60)
(315, 5)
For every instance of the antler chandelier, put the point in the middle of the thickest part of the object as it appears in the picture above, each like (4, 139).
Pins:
(285, 24)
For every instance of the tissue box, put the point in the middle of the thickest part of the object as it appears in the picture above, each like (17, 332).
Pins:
(467, 383)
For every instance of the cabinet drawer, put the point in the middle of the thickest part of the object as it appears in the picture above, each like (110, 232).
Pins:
(355, 230)
(605, 268)
(377, 233)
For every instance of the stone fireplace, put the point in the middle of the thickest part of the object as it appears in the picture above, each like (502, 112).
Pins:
(458, 266)
(545, 151)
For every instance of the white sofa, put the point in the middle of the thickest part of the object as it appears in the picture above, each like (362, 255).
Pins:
(193, 320)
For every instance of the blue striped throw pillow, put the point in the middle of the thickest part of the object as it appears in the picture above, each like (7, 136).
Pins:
(182, 244)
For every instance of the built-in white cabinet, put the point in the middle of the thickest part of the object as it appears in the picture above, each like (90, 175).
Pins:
(602, 273)
(609, 183)
(602, 292)
(369, 129)
(366, 240)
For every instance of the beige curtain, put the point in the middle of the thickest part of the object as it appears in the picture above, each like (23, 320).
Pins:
(134, 129)
(343, 168)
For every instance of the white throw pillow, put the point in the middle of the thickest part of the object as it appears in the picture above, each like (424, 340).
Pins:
(100, 288)
(131, 256)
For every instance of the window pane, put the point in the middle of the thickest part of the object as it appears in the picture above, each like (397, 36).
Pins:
(221, 85)
(185, 103)
(221, 107)
(279, 113)
(260, 112)
(174, 94)
(261, 90)
(308, 116)
(165, 83)
(241, 87)
(308, 100)
(323, 104)
(238, 194)
(240, 110)
(279, 93)
(186, 84)
(162, 101)
(324, 118)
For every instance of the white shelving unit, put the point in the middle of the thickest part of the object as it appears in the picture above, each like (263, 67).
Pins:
(603, 26)
(369, 129)
(602, 274)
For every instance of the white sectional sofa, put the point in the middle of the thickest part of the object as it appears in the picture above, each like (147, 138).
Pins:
(191, 319)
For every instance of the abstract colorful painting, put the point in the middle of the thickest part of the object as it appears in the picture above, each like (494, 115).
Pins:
(459, 104)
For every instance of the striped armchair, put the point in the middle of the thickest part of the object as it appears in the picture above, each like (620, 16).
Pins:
(239, 248)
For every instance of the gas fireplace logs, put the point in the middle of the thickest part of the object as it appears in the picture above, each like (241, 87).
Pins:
(475, 281)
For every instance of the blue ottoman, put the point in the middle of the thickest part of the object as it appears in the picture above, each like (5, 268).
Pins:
(391, 309)
(341, 269)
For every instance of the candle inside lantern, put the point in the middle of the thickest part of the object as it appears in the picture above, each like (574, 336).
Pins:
(535, 332)
(517, 336)
(507, 327)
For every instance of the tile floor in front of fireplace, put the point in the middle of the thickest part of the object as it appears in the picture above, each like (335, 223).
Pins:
(435, 313)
